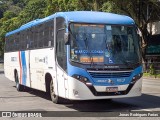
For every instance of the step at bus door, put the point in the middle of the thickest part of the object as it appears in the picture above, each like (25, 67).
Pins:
(62, 83)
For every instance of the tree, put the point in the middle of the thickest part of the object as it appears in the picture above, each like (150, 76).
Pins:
(16, 13)
(34, 9)
(72, 5)
(142, 11)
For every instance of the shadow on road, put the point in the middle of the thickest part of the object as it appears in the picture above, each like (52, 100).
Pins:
(36, 93)
(1, 72)
(126, 104)
(145, 101)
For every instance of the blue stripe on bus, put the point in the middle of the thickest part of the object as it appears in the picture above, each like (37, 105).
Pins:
(24, 67)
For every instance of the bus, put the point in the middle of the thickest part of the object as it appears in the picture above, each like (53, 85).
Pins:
(76, 55)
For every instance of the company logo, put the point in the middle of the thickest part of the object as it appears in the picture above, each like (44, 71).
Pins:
(6, 114)
(110, 81)
(121, 80)
(106, 81)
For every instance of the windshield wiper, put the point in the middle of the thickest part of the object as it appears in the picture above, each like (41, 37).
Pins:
(89, 54)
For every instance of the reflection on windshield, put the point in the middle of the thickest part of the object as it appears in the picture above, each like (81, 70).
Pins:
(104, 44)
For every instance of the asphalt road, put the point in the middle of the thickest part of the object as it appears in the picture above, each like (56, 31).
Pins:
(34, 100)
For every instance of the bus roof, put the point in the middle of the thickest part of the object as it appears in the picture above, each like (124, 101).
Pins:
(81, 17)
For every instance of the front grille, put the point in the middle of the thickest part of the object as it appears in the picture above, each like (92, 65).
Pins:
(110, 74)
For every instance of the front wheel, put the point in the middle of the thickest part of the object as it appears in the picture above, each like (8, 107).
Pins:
(18, 86)
(55, 98)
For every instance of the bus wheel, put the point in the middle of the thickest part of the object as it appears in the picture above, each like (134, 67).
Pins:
(55, 98)
(18, 86)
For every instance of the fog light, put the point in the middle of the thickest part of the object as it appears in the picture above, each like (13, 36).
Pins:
(75, 92)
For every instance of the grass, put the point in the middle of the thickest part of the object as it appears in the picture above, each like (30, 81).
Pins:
(149, 75)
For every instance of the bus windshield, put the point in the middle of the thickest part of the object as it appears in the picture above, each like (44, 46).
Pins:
(104, 44)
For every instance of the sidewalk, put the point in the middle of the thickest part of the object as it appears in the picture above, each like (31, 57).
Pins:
(1, 65)
(1, 68)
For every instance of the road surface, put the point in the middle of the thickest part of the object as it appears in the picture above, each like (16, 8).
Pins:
(34, 100)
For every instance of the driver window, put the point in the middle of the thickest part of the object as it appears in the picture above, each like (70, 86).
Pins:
(60, 44)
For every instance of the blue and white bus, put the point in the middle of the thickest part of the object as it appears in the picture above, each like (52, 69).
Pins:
(79, 55)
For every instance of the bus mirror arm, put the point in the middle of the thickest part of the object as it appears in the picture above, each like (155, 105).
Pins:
(66, 38)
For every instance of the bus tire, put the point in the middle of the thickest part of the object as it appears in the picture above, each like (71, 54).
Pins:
(55, 98)
(19, 87)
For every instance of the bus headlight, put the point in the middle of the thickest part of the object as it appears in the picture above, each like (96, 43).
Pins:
(80, 78)
(136, 78)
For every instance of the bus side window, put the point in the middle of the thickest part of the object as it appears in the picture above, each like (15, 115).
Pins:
(15, 42)
(37, 33)
(12, 42)
(46, 34)
(9, 43)
(23, 40)
(60, 44)
(6, 44)
(51, 32)
(41, 36)
(31, 38)
(7, 40)
(27, 40)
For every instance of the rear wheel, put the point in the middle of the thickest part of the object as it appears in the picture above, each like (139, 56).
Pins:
(18, 86)
(55, 98)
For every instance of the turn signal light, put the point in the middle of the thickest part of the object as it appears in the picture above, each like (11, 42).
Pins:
(81, 78)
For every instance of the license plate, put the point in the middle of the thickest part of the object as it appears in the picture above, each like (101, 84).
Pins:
(112, 89)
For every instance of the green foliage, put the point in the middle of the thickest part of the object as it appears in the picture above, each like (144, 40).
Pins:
(152, 69)
(9, 14)
(152, 76)
(137, 9)
(35, 9)
(14, 13)
(109, 6)
(67, 5)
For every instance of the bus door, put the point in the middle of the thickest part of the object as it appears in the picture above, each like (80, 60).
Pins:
(24, 61)
(28, 66)
(61, 58)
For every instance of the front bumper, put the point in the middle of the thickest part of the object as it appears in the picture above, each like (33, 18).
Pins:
(80, 91)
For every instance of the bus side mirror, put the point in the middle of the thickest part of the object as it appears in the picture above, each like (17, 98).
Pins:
(66, 38)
